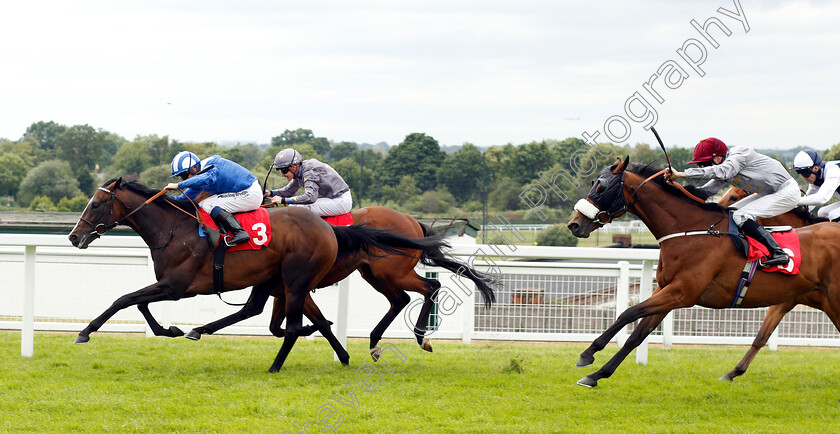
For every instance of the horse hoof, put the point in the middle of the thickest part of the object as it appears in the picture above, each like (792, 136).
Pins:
(426, 345)
(725, 378)
(193, 335)
(81, 339)
(584, 361)
(175, 332)
(375, 353)
(587, 382)
(345, 362)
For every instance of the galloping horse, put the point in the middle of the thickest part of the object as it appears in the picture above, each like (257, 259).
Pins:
(301, 252)
(391, 275)
(797, 218)
(695, 268)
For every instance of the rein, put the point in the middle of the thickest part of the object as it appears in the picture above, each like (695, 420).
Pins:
(102, 228)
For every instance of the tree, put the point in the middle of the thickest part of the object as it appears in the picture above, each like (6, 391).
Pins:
(418, 155)
(52, 178)
(432, 202)
(557, 235)
(158, 147)
(342, 150)
(463, 173)
(642, 153)
(44, 134)
(506, 195)
(13, 171)
(133, 157)
(83, 148)
(405, 190)
(528, 160)
(290, 138)
(156, 176)
(564, 149)
(832, 154)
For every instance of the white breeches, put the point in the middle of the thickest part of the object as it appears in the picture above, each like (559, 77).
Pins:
(240, 201)
(830, 212)
(757, 206)
(329, 207)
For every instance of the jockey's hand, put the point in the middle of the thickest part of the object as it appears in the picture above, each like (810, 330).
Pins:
(268, 193)
(671, 175)
(278, 200)
(171, 186)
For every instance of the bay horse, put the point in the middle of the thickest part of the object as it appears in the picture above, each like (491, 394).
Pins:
(390, 275)
(301, 252)
(796, 218)
(695, 267)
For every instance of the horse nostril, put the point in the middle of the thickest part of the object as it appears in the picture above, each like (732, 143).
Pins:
(74, 240)
(572, 226)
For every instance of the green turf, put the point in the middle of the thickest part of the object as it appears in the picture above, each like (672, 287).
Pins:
(130, 383)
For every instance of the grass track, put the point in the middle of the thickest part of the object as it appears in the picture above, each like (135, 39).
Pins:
(130, 383)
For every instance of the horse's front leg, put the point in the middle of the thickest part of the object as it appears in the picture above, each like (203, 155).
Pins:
(171, 332)
(253, 307)
(152, 293)
(636, 338)
(662, 301)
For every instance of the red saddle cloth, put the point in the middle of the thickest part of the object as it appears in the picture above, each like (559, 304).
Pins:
(339, 220)
(256, 223)
(789, 242)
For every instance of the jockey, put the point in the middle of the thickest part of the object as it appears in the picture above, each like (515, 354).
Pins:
(775, 191)
(325, 192)
(223, 187)
(824, 177)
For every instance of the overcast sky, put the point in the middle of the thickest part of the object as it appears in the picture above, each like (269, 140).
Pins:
(485, 72)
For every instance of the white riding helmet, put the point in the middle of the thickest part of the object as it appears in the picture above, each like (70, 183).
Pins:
(806, 160)
(183, 161)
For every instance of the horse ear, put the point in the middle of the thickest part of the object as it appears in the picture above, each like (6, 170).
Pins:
(118, 183)
(619, 165)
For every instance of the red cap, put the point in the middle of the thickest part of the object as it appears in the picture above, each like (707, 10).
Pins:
(708, 149)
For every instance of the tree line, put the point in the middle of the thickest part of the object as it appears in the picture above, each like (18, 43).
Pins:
(58, 167)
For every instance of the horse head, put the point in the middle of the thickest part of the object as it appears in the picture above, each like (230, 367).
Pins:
(604, 203)
(734, 194)
(104, 211)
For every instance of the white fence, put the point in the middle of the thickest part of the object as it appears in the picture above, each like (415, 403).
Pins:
(574, 297)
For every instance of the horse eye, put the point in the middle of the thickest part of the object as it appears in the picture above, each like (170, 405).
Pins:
(600, 188)
(95, 205)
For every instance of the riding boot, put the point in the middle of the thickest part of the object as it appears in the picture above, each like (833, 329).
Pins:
(777, 257)
(224, 219)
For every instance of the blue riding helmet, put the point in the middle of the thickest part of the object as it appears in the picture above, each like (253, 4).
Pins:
(184, 161)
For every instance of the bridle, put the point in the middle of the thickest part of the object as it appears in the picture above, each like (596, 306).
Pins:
(102, 228)
(619, 204)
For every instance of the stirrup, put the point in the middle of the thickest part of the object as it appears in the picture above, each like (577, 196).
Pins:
(773, 258)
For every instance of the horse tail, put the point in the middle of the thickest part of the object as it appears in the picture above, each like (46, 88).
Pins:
(361, 237)
(437, 258)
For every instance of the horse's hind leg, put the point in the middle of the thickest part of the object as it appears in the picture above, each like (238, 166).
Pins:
(319, 323)
(152, 293)
(771, 321)
(253, 307)
(171, 332)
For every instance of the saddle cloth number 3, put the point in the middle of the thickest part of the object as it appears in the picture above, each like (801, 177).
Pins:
(259, 230)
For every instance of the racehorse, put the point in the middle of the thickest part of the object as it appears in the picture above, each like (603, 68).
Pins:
(391, 275)
(300, 254)
(797, 218)
(695, 268)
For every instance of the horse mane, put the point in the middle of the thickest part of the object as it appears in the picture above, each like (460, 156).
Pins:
(131, 184)
(650, 169)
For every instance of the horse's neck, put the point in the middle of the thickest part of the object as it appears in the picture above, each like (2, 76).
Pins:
(664, 213)
(153, 222)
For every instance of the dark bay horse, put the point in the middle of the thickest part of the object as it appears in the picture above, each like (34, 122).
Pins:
(797, 218)
(302, 250)
(697, 269)
(391, 275)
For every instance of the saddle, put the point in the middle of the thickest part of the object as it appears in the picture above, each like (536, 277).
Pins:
(787, 238)
(256, 223)
(339, 220)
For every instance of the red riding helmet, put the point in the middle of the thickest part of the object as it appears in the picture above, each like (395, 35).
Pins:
(708, 149)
